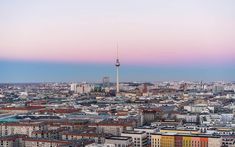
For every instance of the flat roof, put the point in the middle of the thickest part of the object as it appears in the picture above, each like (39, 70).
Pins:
(118, 137)
(133, 132)
(188, 135)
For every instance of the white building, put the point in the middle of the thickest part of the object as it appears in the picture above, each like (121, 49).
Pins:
(82, 88)
(73, 87)
(214, 142)
(121, 141)
(199, 108)
(188, 118)
(149, 130)
(139, 138)
(23, 94)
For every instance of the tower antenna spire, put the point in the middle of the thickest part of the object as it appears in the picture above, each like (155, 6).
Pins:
(117, 51)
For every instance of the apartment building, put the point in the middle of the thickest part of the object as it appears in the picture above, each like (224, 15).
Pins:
(122, 141)
(8, 141)
(33, 142)
(185, 140)
(114, 127)
(83, 134)
(149, 130)
(138, 138)
(25, 128)
(12, 141)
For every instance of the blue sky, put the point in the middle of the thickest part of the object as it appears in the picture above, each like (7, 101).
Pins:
(23, 71)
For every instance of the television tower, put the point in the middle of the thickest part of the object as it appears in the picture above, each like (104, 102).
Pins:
(117, 74)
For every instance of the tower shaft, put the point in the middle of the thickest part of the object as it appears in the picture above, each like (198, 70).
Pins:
(117, 84)
(117, 74)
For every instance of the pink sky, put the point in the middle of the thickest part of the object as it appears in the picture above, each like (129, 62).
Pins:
(150, 32)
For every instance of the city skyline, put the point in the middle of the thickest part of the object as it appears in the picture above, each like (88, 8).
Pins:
(117, 73)
(158, 40)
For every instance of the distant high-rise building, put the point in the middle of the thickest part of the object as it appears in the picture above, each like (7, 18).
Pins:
(81, 88)
(84, 88)
(218, 89)
(106, 82)
(73, 87)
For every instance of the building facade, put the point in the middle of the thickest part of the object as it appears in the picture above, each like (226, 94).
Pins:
(139, 138)
(185, 140)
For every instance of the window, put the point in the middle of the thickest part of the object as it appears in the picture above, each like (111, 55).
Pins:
(6, 132)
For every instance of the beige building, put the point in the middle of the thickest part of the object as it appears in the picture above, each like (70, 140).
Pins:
(47, 134)
(150, 115)
(31, 142)
(12, 141)
(8, 142)
(76, 135)
(214, 142)
(114, 127)
(25, 128)
(19, 110)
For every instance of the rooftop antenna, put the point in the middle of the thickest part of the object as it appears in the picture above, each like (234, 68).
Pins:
(117, 51)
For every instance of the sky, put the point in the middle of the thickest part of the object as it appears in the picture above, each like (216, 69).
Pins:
(75, 40)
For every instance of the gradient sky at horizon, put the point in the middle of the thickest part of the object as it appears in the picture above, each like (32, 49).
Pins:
(158, 39)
